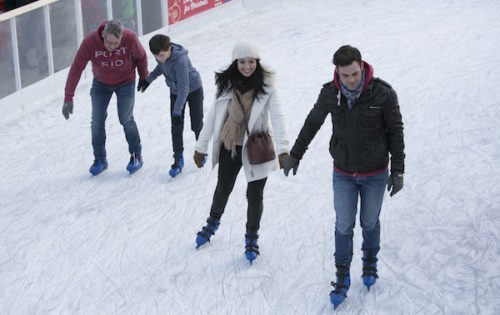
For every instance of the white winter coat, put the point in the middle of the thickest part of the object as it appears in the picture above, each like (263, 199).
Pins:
(263, 107)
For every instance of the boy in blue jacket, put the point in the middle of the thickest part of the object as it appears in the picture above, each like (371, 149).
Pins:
(185, 87)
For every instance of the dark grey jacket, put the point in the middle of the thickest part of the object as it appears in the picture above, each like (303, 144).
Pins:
(363, 136)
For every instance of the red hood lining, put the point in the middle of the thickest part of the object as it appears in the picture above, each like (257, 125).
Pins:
(368, 76)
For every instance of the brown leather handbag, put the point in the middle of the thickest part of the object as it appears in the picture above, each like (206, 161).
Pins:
(260, 148)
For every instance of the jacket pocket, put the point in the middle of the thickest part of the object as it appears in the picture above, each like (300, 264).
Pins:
(373, 153)
(372, 117)
(338, 119)
(338, 151)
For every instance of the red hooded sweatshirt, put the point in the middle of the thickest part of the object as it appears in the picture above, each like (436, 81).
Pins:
(110, 68)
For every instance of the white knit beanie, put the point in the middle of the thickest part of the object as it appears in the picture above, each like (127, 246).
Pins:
(245, 50)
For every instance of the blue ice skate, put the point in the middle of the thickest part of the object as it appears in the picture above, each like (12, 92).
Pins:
(207, 231)
(135, 163)
(177, 167)
(342, 285)
(98, 167)
(369, 269)
(251, 246)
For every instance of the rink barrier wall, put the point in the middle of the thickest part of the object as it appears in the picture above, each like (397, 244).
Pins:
(40, 40)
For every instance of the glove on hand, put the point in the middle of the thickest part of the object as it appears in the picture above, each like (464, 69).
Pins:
(395, 182)
(176, 120)
(199, 159)
(142, 85)
(67, 109)
(281, 158)
(290, 162)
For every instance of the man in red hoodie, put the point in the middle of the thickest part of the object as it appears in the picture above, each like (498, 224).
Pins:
(115, 52)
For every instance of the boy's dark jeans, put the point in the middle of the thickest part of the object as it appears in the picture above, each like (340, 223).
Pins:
(195, 101)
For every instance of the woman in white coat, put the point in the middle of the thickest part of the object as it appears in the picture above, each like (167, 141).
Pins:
(244, 91)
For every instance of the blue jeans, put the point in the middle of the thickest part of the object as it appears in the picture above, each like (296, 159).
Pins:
(346, 190)
(125, 96)
(195, 101)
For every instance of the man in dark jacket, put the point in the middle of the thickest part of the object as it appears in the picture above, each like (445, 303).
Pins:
(185, 86)
(367, 127)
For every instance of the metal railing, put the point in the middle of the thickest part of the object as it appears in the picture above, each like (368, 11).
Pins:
(41, 38)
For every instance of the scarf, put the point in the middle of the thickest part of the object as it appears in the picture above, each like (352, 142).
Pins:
(352, 96)
(232, 126)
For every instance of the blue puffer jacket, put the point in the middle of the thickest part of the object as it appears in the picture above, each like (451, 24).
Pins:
(181, 77)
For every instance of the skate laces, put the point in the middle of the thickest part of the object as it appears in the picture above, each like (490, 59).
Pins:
(370, 265)
(97, 161)
(177, 163)
(208, 230)
(341, 286)
(251, 244)
(132, 158)
(135, 159)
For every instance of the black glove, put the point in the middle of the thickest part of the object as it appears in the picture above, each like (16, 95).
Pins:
(176, 120)
(142, 85)
(67, 109)
(290, 162)
(395, 182)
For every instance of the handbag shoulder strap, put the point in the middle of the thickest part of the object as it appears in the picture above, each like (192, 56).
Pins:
(243, 110)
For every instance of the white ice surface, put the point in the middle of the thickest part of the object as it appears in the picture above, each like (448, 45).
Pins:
(71, 243)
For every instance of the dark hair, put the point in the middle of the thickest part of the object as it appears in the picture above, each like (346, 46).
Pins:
(345, 55)
(159, 43)
(231, 78)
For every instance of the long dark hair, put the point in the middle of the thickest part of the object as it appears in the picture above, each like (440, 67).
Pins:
(231, 78)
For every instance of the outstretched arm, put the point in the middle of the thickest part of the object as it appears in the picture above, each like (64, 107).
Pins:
(312, 124)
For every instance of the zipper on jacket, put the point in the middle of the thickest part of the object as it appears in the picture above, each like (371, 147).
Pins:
(348, 123)
(109, 66)
(351, 156)
(355, 137)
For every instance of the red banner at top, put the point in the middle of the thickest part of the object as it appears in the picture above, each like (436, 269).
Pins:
(179, 10)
